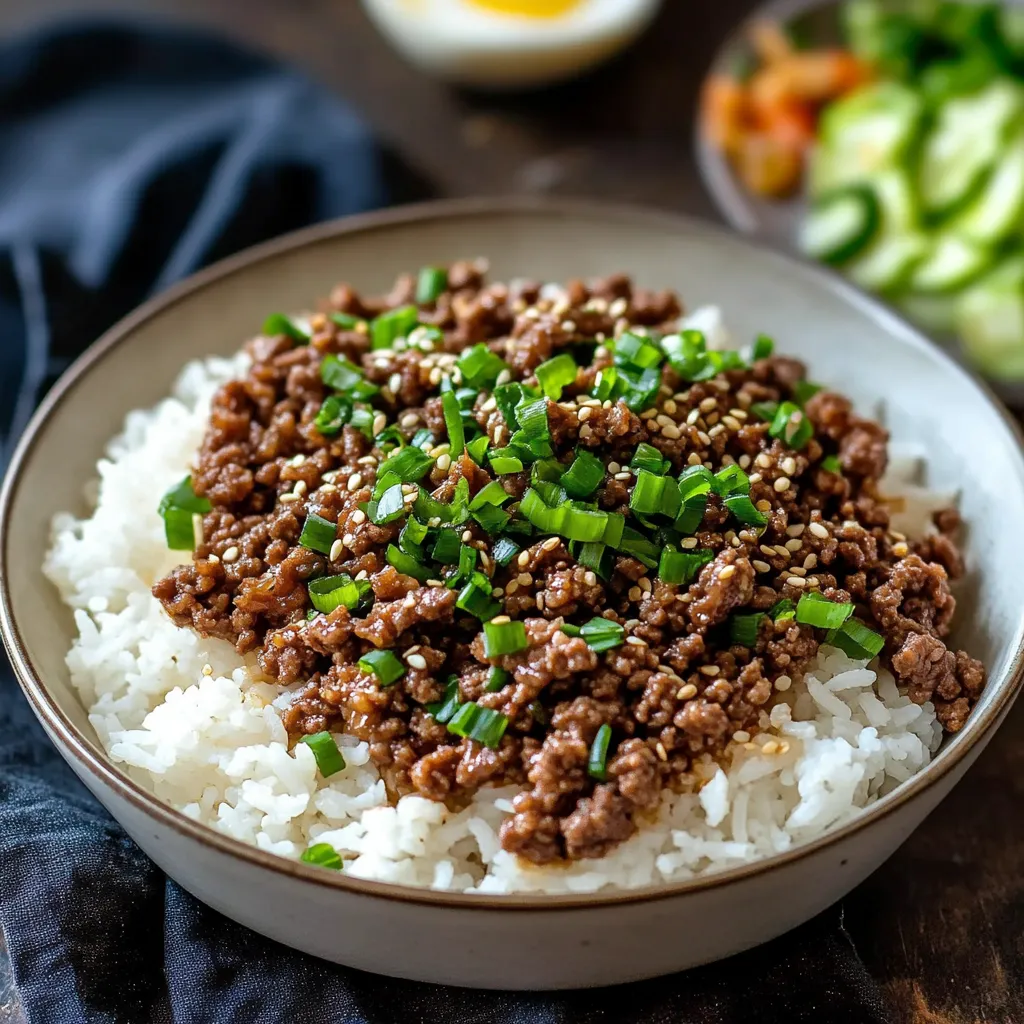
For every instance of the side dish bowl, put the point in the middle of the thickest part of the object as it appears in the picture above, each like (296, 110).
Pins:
(530, 942)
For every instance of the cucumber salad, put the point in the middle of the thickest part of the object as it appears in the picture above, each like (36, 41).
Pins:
(917, 179)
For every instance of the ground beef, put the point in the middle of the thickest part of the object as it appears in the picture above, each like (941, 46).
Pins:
(674, 685)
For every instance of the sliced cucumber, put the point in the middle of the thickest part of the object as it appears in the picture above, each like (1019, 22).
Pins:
(840, 225)
(965, 145)
(951, 263)
(897, 204)
(998, 210)
(990, 322)
(871, 129)
(933, 313)
(887, 264)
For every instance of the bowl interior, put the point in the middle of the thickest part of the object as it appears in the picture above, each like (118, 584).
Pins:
(848, 341)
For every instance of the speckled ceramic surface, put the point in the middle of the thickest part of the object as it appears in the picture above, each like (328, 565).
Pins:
(522, 941)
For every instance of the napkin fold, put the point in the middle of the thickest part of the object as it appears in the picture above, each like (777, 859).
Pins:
(129, 157)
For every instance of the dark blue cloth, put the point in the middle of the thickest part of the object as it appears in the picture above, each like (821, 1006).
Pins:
(129, 158)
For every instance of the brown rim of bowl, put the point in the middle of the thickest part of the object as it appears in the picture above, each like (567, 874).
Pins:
(74, 744)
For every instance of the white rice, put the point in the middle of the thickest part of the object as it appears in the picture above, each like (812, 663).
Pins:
(197, 724)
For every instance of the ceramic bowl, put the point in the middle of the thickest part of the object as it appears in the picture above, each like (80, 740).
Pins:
(814, 23)
(527, 942)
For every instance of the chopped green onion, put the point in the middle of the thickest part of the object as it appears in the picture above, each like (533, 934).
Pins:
(406, 564)
(639, 547)
(582, 478)
(446, 547)
(497, 679)
(491, 494)
(485, 725)
(346, 320)
(325, 750)
(743, 629)
(464, 570)
(475, 598)
(395, 323)
(816, 610)
(606, 384)
(456, 512)
(501, 638)
(334, 413)
(338, 373)
(384, 665)
(491, 518)
(731, 480)
(177, 509)
(444, 709)
(648, 457)
(505, 464)
(556, 374)
(791, 425)
(408, 464)
(640, 389)
(278, 323)
(602, 634)
(480, 367)
(453, 424)
(323, 855)
(743, 509)
(432, 281)
(632, 350)
(411, 539)
(362, 420)
(477, 448)
(504, 550)
(318, 534)
(597, 763)
(804, 390)
(856, 640)
(423, 438)
(533, 435)
(570, 630)
(507, 397)
(330, 592)
(595, 555)
(682, 566)
(686, 352)
(765, 410)
(783, 610)
(691, 514)
(831, 464)
(695, 480)
(389, 507)
(654, 495)
(762, 348)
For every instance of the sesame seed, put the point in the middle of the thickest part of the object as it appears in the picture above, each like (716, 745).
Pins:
(539, 598)
(819, 531)
(782, 484)
(362, 574)
(212, 559)
(410, 419)
(705, 439)
(435, 376)
(645, 584)
(688, 542)
(347, 540)
(763, 505)
(755, 478)
(590, 578)
(500, 620)
(336, 549)
(670, 407)
(900, 549)
(813, 581)
(763, 461)
(617, 308)
(686, 692)
(780, 549)
(693, 459)
(298, 460)
(770, 747)
(417, 661)
(731, 422)
(769, 551)
(761, 566)
(671, 431)
(728, 572)
(380, 421)
(358, 517)
(327, 488)
(549, 545)
(811, 561)
(622, 476)
(355, 481)
(288, 499)
(231, 555)
(741, 736)
(744, 461)
(783, 683)
(512, 587)
(634, 593)
(660, 748)
(709, 670)
(708, 404)
(444, 462)
(207, 670)
(585, 430)
(795, 581)
(789, 465)
(524, 558)
(794, 544)
(636, 641)
(795, 530)
(799, 570)
(524, 579)
(434, 583)
(738, 414)
(895, 534)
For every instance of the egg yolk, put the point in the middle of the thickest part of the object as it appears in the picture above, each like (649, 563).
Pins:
(528, 8)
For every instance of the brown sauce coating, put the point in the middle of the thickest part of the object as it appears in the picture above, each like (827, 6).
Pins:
(676, 688)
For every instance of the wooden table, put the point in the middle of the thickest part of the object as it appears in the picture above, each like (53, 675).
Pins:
(940, 925)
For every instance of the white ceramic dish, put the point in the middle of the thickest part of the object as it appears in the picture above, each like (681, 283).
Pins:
(532, 942)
